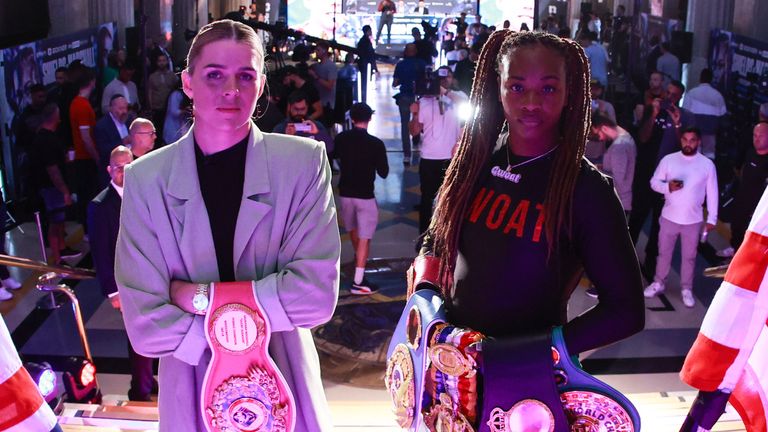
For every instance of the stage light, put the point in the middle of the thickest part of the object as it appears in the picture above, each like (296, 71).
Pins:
(44, 377)
(465, 111)
(87, 373)
(80, 381)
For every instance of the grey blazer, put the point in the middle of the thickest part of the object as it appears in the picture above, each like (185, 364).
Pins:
(286, 242)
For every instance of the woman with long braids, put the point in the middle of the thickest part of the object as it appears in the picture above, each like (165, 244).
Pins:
(522, 214)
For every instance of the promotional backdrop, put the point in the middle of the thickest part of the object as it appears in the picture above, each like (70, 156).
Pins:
(36, 62)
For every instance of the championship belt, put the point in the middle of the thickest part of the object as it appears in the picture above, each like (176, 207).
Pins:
(243, 389)
(407, 361)
(590, 404)
(519, 396)
(445, 378)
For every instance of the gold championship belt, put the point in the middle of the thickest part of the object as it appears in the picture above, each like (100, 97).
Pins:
(243, 389)
(436, 384)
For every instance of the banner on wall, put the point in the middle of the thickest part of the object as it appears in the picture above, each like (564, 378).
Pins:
(739, 65)
(435, 7)
(36, 62)
(519, 12)
(316, 18)
(650, 31)
(740, 72)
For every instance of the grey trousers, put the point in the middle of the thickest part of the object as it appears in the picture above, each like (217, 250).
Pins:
(689, 240)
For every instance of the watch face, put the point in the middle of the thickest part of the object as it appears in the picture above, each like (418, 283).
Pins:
(200, 302)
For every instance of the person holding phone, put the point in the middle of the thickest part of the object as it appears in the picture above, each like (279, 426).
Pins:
(685, 179)
(299, 124)
(658, 136)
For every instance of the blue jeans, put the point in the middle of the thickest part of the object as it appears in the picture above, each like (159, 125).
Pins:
(385, 19)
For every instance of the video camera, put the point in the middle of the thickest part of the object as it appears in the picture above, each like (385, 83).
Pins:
(429, 84)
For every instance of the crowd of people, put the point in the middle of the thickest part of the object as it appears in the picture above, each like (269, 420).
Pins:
(76, 140)
(312, 97)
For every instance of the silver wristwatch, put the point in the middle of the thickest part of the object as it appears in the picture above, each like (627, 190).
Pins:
(200, 300)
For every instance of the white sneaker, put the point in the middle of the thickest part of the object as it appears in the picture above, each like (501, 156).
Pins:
(688, 300)
(5, 295)
(726, 253)
(11, 284)
(653, 290)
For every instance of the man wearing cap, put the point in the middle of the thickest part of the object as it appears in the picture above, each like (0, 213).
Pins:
(361, 156)
(437, 118)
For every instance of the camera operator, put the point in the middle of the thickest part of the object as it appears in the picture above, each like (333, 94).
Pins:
(299, 124)
(436, 116)
(659, 135)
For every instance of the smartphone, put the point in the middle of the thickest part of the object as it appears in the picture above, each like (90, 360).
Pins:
(303, 127)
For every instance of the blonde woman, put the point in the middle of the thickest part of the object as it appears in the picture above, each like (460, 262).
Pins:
(228, 203)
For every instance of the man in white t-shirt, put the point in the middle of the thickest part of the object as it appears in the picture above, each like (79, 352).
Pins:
(123, 85)
(437, 119)
(324, 74)
(685, 178)
(619, 158)
(708, 105)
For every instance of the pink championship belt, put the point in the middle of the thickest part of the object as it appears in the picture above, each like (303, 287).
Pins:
(243, 390)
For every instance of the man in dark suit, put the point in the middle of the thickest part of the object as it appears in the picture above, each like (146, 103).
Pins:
(366, 60)
(421, 9)
(111, 131)
(103, 226)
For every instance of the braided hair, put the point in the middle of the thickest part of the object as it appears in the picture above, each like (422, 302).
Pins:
(482, 130)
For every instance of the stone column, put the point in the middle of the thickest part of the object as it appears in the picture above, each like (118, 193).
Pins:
(219, 8)
(102, 11)
(703, 17)
(187, 14)
(748, 19)
(68, 16)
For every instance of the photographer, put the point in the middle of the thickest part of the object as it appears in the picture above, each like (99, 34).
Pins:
(299, 124)
(659, 135)
(436, 117)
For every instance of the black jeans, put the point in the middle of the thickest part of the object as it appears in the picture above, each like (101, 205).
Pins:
(142, 375)
(644, 201)
(404, 104)
(85, 181)
(385, 19)
(431, 174)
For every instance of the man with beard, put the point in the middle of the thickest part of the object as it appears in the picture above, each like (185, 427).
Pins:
(300, 124)
(654, 91)
(685, 178)
(659, 135)
(111, 131)
(295, 82)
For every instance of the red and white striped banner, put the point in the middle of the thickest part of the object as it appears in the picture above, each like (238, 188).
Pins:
(731, 351)
(22, 408)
